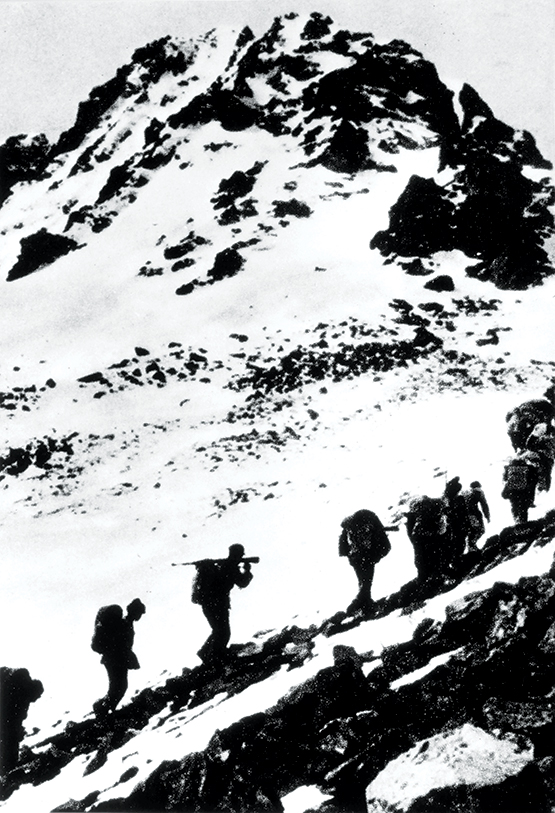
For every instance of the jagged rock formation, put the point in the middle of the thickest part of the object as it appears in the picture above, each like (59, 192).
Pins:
(333, 99)
(487, 207)
(22, 158)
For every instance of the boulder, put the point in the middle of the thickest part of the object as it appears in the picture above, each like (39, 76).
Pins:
(443, 282)
(460, 770)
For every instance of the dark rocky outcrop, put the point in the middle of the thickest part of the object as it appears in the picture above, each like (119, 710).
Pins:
(441, 283)
(158, 57)
(491, 210)
(22, 158)
(317, 362)
(227, 263)
(38, 250)
(421, 221)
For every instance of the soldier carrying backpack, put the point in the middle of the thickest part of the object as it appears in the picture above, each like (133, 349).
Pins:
(458, 523)
(520, 478)
(17, 691)
(541, 441)
(113, 639)
(522, 419)
(364, 541)
(428, 530)
(213, 583)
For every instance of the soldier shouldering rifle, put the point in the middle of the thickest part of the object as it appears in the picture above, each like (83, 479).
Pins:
(214, 580)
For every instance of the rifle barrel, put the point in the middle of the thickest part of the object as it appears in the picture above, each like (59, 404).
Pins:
(253, 559)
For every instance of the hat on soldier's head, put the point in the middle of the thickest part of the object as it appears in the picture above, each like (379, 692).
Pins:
(136, 606)
(453, 486)
(236, 551)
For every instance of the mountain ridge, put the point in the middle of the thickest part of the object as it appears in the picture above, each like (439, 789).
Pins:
(348, 115)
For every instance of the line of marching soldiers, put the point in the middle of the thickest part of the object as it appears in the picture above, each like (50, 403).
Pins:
(441, 530)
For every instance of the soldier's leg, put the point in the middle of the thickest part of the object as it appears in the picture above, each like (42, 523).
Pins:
(117, 676)
(9, 751)
(205, 652)
(365, 576)
(222, 630)
(217, 616)
(519, 507)
(422, 559)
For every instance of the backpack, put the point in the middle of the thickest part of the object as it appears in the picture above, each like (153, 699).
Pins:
(518, 476)
(205, 582)
(431, 517)
(363, 535)
(107, 620)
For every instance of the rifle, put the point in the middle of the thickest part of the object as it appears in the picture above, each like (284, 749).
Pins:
(391, 527)
(253, 559)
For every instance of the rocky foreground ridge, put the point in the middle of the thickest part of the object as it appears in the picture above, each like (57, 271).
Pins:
(319, 97)
(458, 718)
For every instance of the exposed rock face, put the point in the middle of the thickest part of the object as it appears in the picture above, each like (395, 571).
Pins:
(38, 250)
(335, 100)
(489, 209)
(22, 158)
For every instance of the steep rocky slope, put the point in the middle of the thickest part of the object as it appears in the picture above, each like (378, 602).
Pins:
(473, 681)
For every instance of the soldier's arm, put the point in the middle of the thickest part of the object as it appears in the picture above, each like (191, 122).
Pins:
(485, 506)
(244, 575)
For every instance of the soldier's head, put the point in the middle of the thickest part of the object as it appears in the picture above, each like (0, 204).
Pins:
(475, 484)
(453, 487)
(236, 552)
(136, 609)
(550, 393)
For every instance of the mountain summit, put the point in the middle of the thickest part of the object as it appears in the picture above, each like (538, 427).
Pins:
(317, 96)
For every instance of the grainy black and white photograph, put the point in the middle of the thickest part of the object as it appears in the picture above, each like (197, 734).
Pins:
(277, 386)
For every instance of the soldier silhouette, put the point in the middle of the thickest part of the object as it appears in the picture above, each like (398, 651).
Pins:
(211, 590)
(364, 541)
(17, 691)
(522, 419)
(113, 639)
(478, 513)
